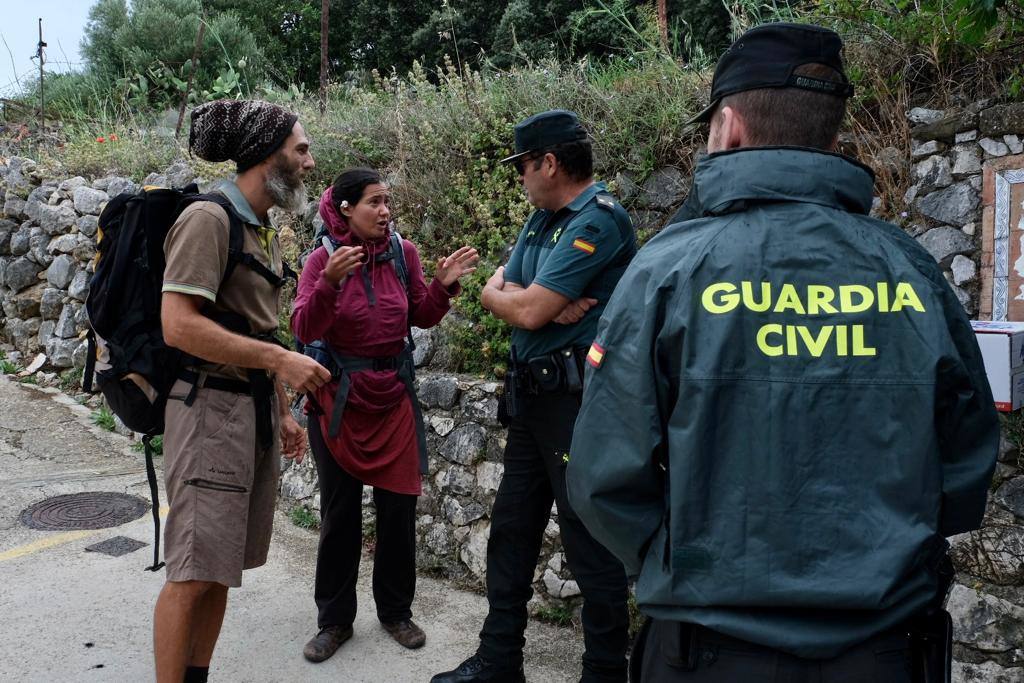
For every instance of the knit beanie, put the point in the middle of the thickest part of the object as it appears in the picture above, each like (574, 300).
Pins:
(245, 131)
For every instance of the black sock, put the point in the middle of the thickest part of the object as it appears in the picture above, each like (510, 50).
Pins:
(196, 674)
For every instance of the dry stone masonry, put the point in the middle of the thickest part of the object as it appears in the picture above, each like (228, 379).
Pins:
(48, 232)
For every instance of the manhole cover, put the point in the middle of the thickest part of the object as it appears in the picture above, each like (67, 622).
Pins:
(95, 510)
(116, 546)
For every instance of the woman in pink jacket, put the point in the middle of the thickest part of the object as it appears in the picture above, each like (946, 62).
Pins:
(365, 427)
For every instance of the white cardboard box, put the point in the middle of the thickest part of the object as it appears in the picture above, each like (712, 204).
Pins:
(1002, 349)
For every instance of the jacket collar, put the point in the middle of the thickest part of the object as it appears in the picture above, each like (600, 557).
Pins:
(229, 189)
(730, 181)
(583, 197)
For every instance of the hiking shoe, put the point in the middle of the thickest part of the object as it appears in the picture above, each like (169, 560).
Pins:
(477, 670)
(406, 632)
(326, 643)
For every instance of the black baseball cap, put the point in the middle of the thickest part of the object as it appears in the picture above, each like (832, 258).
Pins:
(544, 130)
(766, 56)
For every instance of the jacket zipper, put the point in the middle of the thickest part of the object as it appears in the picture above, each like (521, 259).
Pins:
(215, 486)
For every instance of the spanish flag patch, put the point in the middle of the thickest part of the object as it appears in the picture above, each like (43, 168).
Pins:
(584, 246)
(596, 355)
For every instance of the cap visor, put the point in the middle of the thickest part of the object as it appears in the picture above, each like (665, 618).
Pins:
(508, 160)
(703, 116)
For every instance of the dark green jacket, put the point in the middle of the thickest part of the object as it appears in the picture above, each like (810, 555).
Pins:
(779, 460)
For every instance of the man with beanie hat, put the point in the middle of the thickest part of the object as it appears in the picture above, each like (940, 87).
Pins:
(786, 411)
(227, 420)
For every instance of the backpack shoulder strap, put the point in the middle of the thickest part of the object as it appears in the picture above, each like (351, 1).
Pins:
(401, 267)
(236, 243)
(402, 270)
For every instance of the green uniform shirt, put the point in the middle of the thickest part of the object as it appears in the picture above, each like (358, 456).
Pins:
(579, 250)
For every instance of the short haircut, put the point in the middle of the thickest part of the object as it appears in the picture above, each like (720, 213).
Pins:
(791, 116)
(575, 158)
(350, 184)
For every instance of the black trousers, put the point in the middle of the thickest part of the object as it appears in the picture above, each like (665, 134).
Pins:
(664, 646)
(535, 458)
(341, 538)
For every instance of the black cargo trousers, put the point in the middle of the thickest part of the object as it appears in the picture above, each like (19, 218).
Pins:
(535, 457)
(668, 651)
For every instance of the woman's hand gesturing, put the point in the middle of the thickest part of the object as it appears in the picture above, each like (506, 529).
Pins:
(462, 262)
(342, 262)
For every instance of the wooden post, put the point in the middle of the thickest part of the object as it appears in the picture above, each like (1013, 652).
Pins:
(191, 74)
(663, 24)
(42, 95)
(324, 15)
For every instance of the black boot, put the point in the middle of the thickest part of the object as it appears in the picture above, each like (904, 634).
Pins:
(477, 670)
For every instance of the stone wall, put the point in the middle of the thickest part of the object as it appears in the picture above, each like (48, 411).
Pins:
(47, 240)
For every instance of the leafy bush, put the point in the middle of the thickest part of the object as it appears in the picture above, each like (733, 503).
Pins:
(69, 379)
(103, 418)
(557, 615)
(440, 138)
(157, 444)
(304, 517)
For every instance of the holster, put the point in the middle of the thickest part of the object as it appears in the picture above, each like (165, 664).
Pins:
(931, 632)
(931, 647)
(508, 406)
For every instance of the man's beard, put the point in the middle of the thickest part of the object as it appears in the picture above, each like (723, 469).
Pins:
(285, 187)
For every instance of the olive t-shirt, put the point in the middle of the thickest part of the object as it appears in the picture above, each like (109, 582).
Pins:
(196, 249)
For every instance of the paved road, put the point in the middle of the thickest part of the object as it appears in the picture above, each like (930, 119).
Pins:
(71, 615)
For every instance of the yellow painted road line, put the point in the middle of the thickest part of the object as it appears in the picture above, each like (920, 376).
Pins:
(55, 540)
(44, 543)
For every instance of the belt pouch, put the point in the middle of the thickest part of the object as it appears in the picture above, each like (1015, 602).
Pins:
(547, 373)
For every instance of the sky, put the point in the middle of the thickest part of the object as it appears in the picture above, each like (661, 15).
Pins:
(63, 27)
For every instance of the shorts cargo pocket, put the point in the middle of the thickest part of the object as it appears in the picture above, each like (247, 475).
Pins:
(219, 482)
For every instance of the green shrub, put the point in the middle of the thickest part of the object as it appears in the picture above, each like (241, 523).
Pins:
(103, 418)
(156, 443)
(303, 517)
(69, 379)
(559, 615)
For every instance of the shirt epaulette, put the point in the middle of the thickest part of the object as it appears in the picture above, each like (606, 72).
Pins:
(605, 202)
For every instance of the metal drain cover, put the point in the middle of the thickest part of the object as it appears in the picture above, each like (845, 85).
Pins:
(92, 510)
(116, 546)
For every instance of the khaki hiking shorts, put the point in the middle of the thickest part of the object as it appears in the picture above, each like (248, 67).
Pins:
(221, 486)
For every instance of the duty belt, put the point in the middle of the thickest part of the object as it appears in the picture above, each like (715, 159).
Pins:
(342, 367)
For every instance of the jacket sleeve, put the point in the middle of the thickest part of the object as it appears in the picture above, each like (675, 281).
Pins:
(967, 426)
(427, 303)
(614, 477)
(315, 299)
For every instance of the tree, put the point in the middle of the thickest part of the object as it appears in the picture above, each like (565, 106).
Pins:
(155, 39)
(106, 18)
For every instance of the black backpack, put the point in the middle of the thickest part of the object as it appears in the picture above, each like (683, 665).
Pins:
(132, 366)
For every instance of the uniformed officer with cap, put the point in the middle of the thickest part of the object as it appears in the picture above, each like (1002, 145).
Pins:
(565, 265)
(786, 411)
